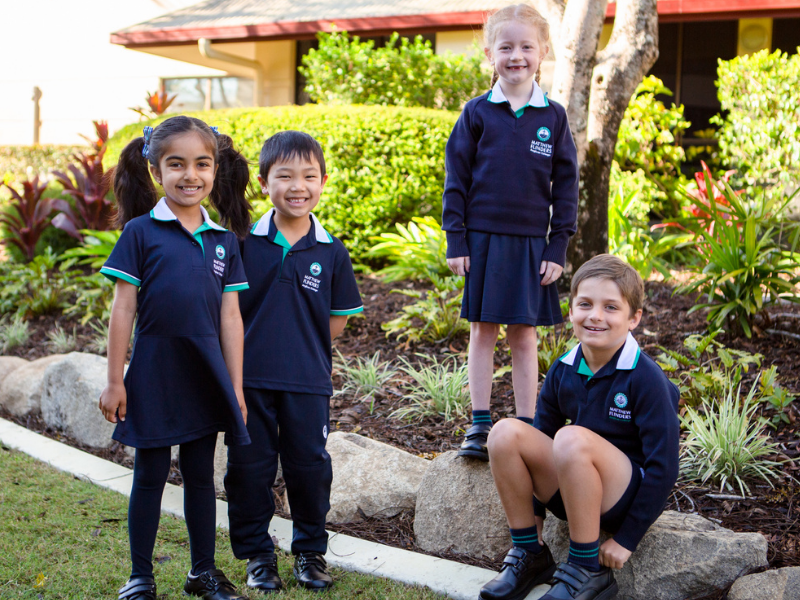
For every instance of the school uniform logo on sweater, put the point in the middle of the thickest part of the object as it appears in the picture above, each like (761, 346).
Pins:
(618, 412)
(219, 265)
(220, 252)
(316, 269)
(310, 282)
(543, 134)
(539, 146)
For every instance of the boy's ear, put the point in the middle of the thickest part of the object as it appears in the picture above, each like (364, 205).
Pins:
(263, 185)
(323, 181)
(634, 321)
(156, 173)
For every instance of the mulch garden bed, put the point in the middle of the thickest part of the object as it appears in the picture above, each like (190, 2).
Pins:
(772, 512)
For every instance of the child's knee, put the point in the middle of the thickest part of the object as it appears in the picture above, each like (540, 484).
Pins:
(521, 338)
(484, 332)
(506, 436)
(571, 443)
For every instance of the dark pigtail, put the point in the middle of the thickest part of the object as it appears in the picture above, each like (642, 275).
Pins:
(230, 187)
(133, 187)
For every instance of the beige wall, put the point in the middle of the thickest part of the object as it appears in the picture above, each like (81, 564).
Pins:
(459, 42)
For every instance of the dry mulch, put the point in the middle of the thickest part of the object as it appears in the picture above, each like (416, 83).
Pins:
(666, 322)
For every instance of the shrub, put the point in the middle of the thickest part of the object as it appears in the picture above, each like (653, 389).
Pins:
(24, 228)
(554, 342)
(13, 332)
(61, 342)
(385, 163)
(404, 72)
(36, 288)
(25, 162)
(364, 377)
(417, 252)
(439, 389)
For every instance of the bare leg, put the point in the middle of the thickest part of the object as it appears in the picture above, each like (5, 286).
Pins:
(480, 363)
(525, 370)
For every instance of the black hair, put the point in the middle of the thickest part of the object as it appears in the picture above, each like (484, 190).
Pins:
(136, 194)
(286, 145)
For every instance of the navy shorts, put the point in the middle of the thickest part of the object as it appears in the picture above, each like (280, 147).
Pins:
(503, 284)
(611, 521)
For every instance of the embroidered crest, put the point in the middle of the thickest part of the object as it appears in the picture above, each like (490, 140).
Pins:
(220, 252)
(621, 400)
(543, 134)
(316, 269)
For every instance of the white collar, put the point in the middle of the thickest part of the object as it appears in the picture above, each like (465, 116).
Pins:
(162, 212)
(627, 359)
(538, 99)
(262, 227)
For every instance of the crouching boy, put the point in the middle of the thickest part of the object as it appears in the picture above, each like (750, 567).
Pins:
(612, 467)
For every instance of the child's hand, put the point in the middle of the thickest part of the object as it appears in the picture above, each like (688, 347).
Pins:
(549, 271)
(242, 405)
(613, 555)
(459, 266)
(112, 399)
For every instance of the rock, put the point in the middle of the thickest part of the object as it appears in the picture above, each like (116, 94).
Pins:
(8, 364)
(681, 556)
(70, 390)
(780, 584)
(370, 477)
(21, 391)
(458, 509)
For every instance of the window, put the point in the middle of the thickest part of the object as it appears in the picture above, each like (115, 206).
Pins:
(205, 93)
(786, 35)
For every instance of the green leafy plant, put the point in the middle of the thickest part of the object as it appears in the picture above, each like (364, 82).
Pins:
(93, 297)
(99, 342)
(345, 70)
(60, 341)
(95, 248)
(418, 251)
(364, 377)
(27, 216)
(554, 342)
(774, 395)
(725, 445)
(14, 332)
(36, 288)
(438, 389)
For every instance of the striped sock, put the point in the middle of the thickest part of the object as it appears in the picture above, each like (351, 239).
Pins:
(480, 417)
(585, 555)
(527, 539)
(527, 420)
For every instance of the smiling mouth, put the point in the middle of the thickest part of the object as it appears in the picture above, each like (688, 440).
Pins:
(189, 188)
(595, 329)
(296, 200)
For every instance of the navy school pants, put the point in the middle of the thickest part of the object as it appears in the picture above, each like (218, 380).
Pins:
(294, 426)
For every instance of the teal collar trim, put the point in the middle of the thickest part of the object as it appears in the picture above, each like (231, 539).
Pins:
(283, 243)
(627, 361)
(162, 212)
(538, 98)
(583, 369)
(262, 227)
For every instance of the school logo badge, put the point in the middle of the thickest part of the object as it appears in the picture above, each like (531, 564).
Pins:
(316, 269)
(543, 134)
(621, 400)
(220, 252)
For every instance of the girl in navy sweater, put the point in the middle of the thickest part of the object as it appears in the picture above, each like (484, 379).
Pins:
(510, 207)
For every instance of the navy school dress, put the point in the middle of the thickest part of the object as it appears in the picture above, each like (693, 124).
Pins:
(177, 383)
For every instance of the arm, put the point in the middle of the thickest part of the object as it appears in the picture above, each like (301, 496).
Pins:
(338, 323)
(114, 398)
(459, 162)
(564, 191)
(231, 338)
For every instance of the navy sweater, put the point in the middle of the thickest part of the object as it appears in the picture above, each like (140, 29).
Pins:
(630, 403)
(503, 174)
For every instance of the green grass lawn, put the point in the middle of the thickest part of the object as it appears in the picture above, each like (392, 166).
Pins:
(61, 538)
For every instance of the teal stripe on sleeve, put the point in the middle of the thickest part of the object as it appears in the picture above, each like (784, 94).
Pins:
(350, 311)
(236, 287)
(115, 274)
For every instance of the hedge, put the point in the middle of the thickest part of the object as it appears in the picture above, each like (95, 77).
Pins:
(385, 164)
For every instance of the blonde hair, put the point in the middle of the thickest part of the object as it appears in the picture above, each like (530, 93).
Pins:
(523, 13)
(612, 268)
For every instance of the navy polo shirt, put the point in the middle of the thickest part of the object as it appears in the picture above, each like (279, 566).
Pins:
(631, 403)
(286, 312)
(178, 385)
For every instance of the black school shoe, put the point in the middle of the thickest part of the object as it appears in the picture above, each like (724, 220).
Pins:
(573, 582)
(311, 571)
(138, 588)
(211, 585)
(521, 571)
(262, 573)
(474, 444)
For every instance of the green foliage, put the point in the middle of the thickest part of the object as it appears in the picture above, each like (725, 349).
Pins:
(60, 341)
(25, 162)
(417, 252)
(364, 377)
(435, 317)
(99, 341)
(439, 389)
(13, 332)
(385, 163)
(774, 395)
(759, 132)
(646, 143)
(748, 256)
(554, 342)
(404, 72)
(94, 295)
(725, 445)
(95, 248)
(36, 288)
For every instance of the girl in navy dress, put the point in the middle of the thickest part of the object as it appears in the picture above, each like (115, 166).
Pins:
(179, 273)
(510, 207)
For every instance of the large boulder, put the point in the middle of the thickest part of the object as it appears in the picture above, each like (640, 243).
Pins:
(8, 364)
(780, 584)
(70, 390)
(371, 478)
(458, 509)
(681, 556)
(21, 391)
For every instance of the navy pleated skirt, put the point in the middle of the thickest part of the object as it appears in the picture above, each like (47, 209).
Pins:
(503, 284)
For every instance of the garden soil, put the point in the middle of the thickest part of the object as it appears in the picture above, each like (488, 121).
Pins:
(666, 322)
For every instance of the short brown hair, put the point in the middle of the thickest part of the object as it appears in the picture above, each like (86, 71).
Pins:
(606, 266)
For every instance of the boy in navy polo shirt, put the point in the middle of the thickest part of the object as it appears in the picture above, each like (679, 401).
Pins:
(612, 467)
(302, 289)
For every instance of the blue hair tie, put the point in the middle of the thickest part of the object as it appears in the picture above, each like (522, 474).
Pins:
(214, 129)
(147, 134)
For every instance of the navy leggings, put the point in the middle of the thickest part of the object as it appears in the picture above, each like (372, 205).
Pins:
(150, 472)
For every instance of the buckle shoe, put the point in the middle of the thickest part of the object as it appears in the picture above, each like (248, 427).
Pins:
(474, 444)
(262, 573)
(138, 588)
(211, 585)
(574, 582)
(521, 571)
(311, 571)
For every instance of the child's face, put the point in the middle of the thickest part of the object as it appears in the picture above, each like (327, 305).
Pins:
(601, 317)
(294, 186)
(516, 53)
(186, 169)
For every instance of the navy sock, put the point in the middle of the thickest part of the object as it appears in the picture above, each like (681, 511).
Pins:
(480, 417)
(527, 420)
(585, 555)
(527, 539)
